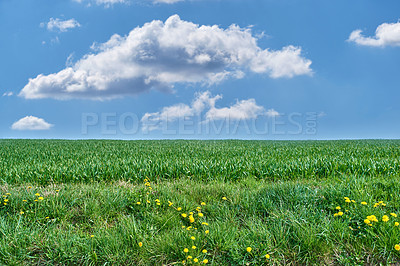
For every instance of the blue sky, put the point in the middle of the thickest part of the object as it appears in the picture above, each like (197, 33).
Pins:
(311, 69)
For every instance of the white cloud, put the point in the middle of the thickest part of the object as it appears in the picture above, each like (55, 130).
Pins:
(60, 25)
(8, 93)
(31, 123)
(167, 1)
(106, 3)
(159, 55)
(203, 106)
(386, 34)
(272, 113)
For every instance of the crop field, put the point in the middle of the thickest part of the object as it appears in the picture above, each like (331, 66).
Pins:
(178, 202)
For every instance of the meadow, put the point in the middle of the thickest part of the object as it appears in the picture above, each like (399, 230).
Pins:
(177, 202)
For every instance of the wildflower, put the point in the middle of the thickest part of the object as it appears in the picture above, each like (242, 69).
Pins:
(198, 209)
(397, 247)
(207, 231)
(158, 203)
(376, 205)
(193, 247)
(335, 214)
(191, 213)
(5, 203)
(47, 217)
(372, 218)
(363, 203)
(24, 200)
(200, 214)
(183, 227)
(5, 200)
(383, 204)
(140, 244)
(396, 224)
(393, 214)
(8, 194)
(347, 200)
(385, 218)
(138, 203)
(340, 213)
(188, 228)
(57, 190)
(193, 238)
(205, 261)
(37, 194)
(224, 198)
(184, 215)
(148, 201)
(179, 209)
(186, 250)
(157, 200)
(204, 223)
(338, 208)
(353, 201)
(203, 204)
(92, 236)
(29, 187)
(367, 221)
(204, 251)
(267, 256)
(248, 249)
(35, 200)
(196, 260)
(40, 198)
(170, 203)
(191, 219)
(21, 212)
(189, 257)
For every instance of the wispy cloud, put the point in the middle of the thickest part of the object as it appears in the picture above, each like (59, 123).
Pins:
(386, 34)
(159, 55)
(31, 123)
(8, 93)
(56, 24)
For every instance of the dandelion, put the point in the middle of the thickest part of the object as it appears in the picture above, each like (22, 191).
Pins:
(148, 201)
(383, 204)
(47, 217)
(200, 214)
(397, 247)
(196, 260)
(91, 236)
(184, 215)
(396, 224)
(186, 250)
(376, 205)
(5, 200)
(363, 203)
(193, 238)
(8, 194)
(248, 249)
(204, 223)
(340, 213)
(24, 200)
(385, 218)
(207, 231)
(267, 256)
(203, 204)
(205, 261)
(204, 251)
(188, 228)
(138, 203)
(29, 187)
(338, 208)
(140, 244)
(179, 209)
(21, 212)
(158, 203)
(189, 257)
(5, 203)
(183, 227)
(157, 200)
(353, 201)
(191, 219)
(372, 218)
(170, 203)
(224, 198)
(57, 190)
(40, 198)
(37, 194)
(367, 221)
(393, 214)
(347, 200)
(194, 247)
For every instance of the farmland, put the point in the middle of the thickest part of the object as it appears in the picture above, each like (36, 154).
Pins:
(181, 202)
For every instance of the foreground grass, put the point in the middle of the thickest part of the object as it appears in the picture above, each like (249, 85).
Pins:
(294, 222)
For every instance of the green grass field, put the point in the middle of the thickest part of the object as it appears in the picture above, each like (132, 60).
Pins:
(199, 202)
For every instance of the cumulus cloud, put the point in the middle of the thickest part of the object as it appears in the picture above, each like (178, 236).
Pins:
(60, 25)
(272, 113)
(203, 106)
(386, 34)
(8, 93)
(31, 123)
(159, 55)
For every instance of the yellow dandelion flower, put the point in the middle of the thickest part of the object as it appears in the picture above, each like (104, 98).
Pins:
(179, 209)
(189, 257)
(47, 217)
(5, 200)
(24, 200)
(224, 198)
(191, 219)
(363, 203)
(248, 249)
(191, 213)
(205, 261)
(353, 201)
(204, 223)
(21, 212)
(385, 218)
(140, 244)
(157, 200)
(200, 214)
(92, 236)
(393, 214)
(338, 208)
(5, 203)
(40, 198)
(194, 247)
(170, 203)
(340, 213)
(138, 203)
(335, 214)
(188, 228)
(383, 204)
(8, 194)
(158, 203)
(203, 204)
(193, 238)
(207, 231)
(183, 227)
(372, 218)
(37, 194)
(204, 251)
(347, 200)
(376, 205)
(57, 190)
(148, 201)
(267, 256)
(397, 247)
(396, 224)
(196, 260)
(184, 215)
(29, 187)
(186, 250)
(367, 221)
